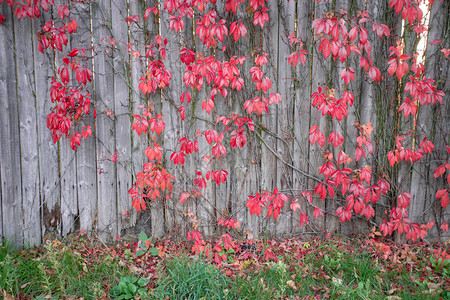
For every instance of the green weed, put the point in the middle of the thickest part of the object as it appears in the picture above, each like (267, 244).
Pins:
(57, 270)
(186, 278)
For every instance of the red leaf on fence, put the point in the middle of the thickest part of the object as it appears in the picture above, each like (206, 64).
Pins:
(317, 213)
(304, 219)
(183, 197)
(254, 204)
(315, 135)
(404, 199)
(439, 171)
(321, 190)
(443, 195)
(65, 77)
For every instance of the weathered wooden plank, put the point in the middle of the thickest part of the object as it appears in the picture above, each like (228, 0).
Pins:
(222, 108)
(302, 108)
(68, 167)
(11, 197)
(85, 155)
(170, 104)
(155, 105)
(319, 77)
(269, 164)
(122, 111)
(430, 118)
(106, 134)
(49, 179)
(137, 65)
(187, 128)
(203, 121)
(286, 109)
(28, 132)
(247, 177)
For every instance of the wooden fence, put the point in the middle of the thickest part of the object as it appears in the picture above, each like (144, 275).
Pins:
(48, 187)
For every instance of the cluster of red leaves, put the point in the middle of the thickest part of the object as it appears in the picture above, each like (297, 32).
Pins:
(71, 101)
(68, 90)
(153, 180)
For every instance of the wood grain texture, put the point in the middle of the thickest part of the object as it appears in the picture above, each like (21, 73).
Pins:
(29, 153)
(86, 153)
(11, 184)
(106, 125)
(49, 176)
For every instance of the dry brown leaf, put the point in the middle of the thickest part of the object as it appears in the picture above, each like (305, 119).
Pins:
(291, 283)
(6, 296)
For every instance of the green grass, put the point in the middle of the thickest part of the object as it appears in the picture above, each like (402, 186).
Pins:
(185, 278)
(335, 269)
(57, 270)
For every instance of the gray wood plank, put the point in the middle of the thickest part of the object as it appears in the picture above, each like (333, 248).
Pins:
(286, 109)
(106, 134)
(137, 65)
(68, 167)
(302, 108)
(11, 197)
(49, 177)
(28, 132)
(270, 166)
(320, 70)
(86, 153)
(170, 104)
(122, 107)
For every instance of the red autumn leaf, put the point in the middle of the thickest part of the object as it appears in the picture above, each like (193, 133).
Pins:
(443, 195)
(321, 190)
(427, 146)
(375, 74)
(295, 205)
(183, 197)
(303, 219)
(73, 53)
(439, 171)
(65, 77)
(157, 124)
(347, 75)
(254, 204)
(315, 135)
(404, 199)
(317, 213)
(336, 138)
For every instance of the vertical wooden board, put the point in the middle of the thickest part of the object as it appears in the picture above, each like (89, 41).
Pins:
(302, 109)
(28, 132)
(432, 118)
(50, 184)
(339, 86)
(68, 168)
(137, 65)
(269, 163)
(203, 121)
(170, 103)
(188, 128)
(247, 181)
(106, 134)
(285, 112)
(69, 201)
(122, 111)
(154, 101)
(9, 136)
(85, 155)
(320, 70)
(223, 108)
